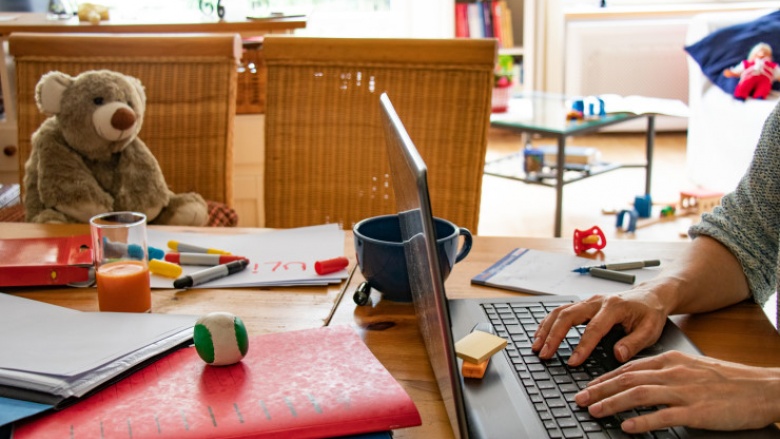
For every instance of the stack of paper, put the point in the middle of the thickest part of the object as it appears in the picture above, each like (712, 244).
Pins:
(276, 258)
(51, 354)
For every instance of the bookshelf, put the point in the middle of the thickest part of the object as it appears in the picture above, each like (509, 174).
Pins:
(500, 19)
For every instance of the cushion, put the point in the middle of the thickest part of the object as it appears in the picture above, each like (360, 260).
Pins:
(728, 46)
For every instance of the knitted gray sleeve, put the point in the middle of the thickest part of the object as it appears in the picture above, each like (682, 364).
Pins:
(748, 220)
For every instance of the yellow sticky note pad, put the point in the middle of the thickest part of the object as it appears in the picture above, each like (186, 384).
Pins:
(478, 346)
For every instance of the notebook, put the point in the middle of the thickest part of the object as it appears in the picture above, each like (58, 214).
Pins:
(513, 397)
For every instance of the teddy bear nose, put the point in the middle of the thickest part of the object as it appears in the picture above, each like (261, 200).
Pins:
(122, 119)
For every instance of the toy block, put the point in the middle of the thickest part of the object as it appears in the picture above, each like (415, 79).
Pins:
(472, 370)
(699, 201)
(478, 346)
(643, 205)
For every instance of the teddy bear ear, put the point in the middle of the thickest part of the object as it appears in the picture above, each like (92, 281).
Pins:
(48, 92)
(139, 88)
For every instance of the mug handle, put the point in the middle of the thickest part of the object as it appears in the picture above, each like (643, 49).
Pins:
(466, 247)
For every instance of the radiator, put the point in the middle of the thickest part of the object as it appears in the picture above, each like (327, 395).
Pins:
(629, 57)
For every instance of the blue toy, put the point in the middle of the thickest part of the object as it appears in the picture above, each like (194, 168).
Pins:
(643, 205)
(632, 217)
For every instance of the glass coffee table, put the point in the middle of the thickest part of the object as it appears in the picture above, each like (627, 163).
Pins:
(546, 114)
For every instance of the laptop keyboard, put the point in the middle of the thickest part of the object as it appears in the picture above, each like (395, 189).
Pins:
(552, 384)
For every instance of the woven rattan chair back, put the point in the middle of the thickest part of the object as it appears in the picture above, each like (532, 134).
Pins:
(190, 83)
(326, 160)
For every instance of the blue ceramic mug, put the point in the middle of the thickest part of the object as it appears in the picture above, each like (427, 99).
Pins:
(380, 253)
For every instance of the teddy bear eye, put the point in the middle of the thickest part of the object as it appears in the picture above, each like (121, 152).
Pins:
(98, 101)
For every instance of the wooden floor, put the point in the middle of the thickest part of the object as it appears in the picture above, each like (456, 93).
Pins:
(513, 208)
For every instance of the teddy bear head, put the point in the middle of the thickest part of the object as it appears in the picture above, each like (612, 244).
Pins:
(99, 112)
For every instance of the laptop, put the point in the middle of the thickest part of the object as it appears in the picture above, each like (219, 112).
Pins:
(520, 395)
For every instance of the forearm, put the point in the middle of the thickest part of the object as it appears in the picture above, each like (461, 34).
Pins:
(706, 277)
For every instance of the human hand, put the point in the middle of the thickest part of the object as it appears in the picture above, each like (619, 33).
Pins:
(638, 311)
(698, 392)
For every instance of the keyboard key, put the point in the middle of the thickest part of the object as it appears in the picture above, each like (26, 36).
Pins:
(545, 384)
(572, 433)
(590, 427)
(557, 403)
(515, 329)
(583, 416)
(567, 422)
(664, 434)
(557, 371)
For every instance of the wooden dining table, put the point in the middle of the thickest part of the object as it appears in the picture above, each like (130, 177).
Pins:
(740, 333)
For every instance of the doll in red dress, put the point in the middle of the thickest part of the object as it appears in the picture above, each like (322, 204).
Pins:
(756, 74)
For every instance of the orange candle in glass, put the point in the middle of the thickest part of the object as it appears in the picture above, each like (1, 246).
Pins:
(124, 286)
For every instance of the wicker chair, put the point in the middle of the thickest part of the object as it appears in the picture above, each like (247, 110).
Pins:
(325, 152)
(190, 82)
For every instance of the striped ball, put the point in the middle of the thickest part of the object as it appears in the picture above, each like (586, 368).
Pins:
(220, 338)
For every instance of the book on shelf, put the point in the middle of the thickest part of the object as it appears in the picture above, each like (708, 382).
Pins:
(484, 19)
(321, 382)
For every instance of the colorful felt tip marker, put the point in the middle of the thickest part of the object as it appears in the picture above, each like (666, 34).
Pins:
(617, 276)
(331, 265)
(620, 266)
(164, 268)
(134, 251)
(189, 248)
(201, 258)
(209, 274)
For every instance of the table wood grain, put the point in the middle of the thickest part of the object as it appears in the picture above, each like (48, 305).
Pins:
(739, 333)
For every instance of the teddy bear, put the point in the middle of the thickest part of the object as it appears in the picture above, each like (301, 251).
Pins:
(87, 157)
(756, 73)
(92, 12)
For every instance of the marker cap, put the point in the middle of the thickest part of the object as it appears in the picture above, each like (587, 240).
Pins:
(164, 268)
(331, 265)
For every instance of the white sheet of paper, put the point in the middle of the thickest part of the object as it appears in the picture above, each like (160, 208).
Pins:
(276, 258)
(540, 272)
(43, 338)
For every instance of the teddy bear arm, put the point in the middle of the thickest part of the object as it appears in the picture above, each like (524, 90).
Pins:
(66, 185)
(143, 185)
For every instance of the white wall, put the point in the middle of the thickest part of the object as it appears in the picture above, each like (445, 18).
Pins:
(405, 19)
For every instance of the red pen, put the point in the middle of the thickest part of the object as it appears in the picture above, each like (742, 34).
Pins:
(200, 258)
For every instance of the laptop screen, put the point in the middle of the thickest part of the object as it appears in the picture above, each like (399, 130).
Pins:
(410, 184)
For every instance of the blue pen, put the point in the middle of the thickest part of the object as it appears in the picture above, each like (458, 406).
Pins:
(620, 266)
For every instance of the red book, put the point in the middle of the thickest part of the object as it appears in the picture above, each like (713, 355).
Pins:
(498, 17)
(311, 383)
(45, 261)
(461, 20)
